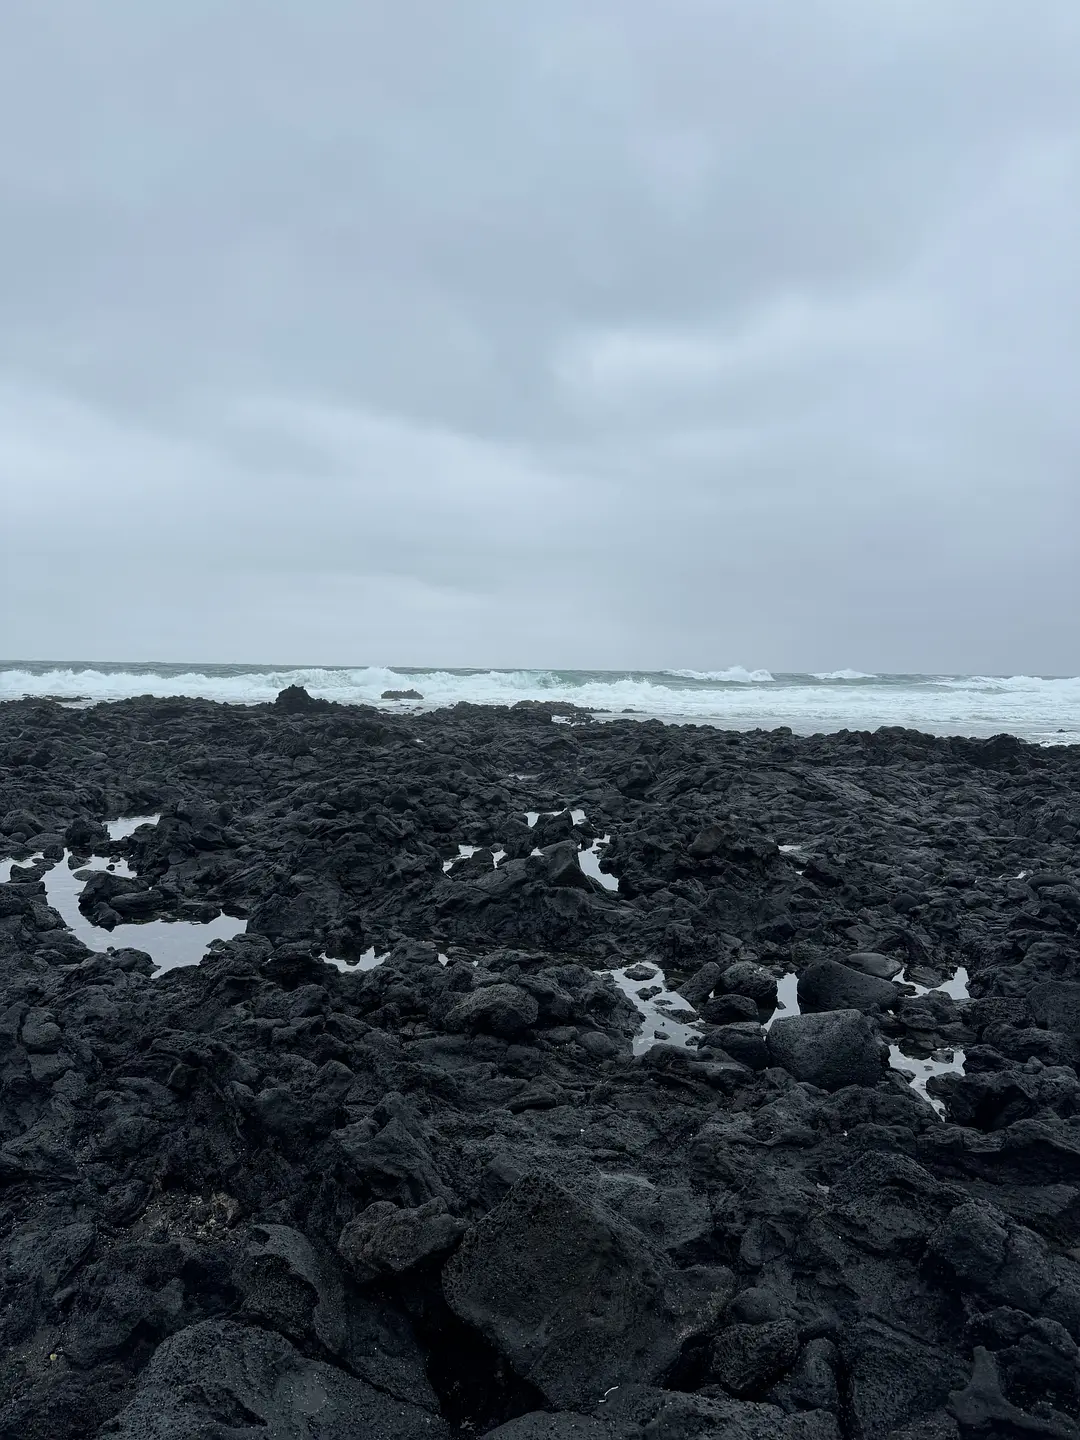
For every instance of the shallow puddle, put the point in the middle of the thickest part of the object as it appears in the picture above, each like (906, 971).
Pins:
(169, 943)
(588, 855)
(465, 852)
(5, 867)
(956, 986)
(532, 816)
(660, 1013)
(942, 1062)
(787, 999)
(589, 860)
(128, 824)
(666, 1017)
(919, 1070)
(368, 961)
(795, 852)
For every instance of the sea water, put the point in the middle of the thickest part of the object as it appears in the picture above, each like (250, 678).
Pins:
(1045, 709)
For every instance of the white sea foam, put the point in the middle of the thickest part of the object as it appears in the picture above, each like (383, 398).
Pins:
(735, 675)
(843, 675)
(1036, 708)
(1015, 684)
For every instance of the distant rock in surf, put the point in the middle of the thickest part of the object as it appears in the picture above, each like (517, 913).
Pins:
(402, 695)
(294, 698)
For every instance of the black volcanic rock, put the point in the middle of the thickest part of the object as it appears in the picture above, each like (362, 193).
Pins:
(444, 1185)
(830, 1050)
(746, 978)
(497, 1009)
(295, 700)
(576, 1302)
(210, 1378)
(828, 985)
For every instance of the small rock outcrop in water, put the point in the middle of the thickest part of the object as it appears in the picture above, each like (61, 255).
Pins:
(401, 695)
(447, 1186)
(295, 700)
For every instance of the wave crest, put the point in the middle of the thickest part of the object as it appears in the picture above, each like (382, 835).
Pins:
(1037, 708)
(735, 675)
(843, 675)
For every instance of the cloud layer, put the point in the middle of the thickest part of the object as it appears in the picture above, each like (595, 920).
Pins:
(598, 334)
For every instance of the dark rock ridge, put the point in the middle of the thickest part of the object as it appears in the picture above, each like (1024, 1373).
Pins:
(442, 1195)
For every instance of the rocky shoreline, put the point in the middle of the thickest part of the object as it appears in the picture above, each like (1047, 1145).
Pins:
(469, 1179)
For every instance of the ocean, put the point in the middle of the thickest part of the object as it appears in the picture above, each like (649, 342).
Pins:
(1045, 709)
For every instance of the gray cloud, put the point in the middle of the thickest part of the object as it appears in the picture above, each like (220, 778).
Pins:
(580, 333)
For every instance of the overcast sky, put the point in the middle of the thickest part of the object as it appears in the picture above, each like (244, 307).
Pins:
(491, 332)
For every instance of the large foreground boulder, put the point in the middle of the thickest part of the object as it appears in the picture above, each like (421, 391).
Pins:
(896, 1381)
(575, 1300)
(549, 1425)
(218, 1379)
(986, 1253)
(642, 1412)
(831, 1050)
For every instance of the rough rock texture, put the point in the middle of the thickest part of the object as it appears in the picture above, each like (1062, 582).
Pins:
(441, 1192)
(829, 1050)
(828, 985)
(575, 1300)
(385, 1239)
(219, 1378)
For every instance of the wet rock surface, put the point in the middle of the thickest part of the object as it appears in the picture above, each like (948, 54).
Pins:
(446, 1185)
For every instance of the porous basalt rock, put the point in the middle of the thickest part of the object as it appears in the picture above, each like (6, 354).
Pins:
(446, 1184)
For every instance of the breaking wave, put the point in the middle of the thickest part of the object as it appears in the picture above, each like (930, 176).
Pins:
(1035, 707)
(843, 675)
(736, 675)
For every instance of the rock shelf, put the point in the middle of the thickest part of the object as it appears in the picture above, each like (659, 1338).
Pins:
(666, 1082)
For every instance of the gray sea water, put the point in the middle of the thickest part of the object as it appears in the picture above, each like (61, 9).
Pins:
(1045, 709)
